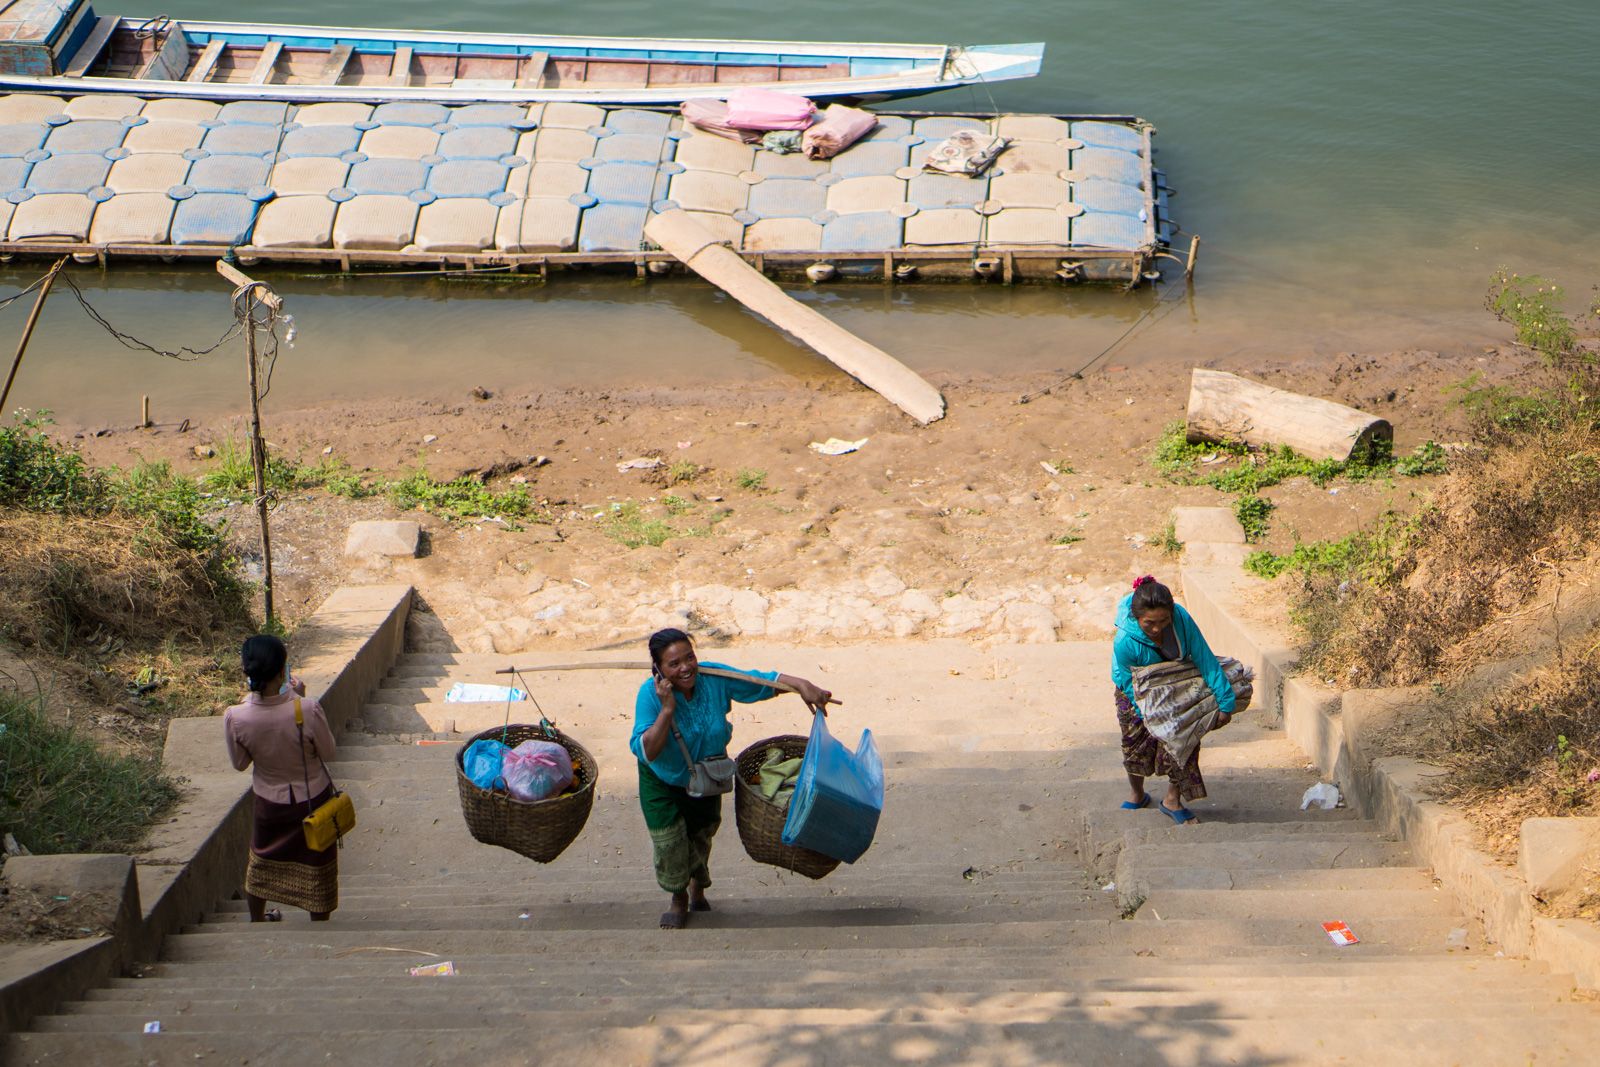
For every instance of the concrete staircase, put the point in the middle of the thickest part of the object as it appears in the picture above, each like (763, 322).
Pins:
(979, 929)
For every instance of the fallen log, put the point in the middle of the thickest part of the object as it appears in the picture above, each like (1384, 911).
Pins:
(1224, 407)
(697, 248)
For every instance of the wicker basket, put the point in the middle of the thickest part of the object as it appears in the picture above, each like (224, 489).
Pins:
(761, 821)
(537, 829)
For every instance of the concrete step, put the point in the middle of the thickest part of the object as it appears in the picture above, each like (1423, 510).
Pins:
(1281, 854)
(1345, 879)
(928, 971)
(1352, 908)
(746, 897)
(730, 913)
(1196, 938)
(666, 978)
(1135, 1038)
(533, 881)
(500, 1005)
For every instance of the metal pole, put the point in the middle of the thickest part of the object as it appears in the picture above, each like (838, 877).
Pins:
(27, 329)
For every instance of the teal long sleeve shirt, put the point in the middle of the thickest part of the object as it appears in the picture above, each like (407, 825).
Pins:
(1132, 648)
(702, 719)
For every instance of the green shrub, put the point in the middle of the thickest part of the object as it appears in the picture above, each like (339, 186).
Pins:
(1252, 512)
(460, 498)
(60, 793)
(752, 478)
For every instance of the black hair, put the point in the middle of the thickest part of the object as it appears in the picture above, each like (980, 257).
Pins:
(1149, 595)
(263, 657)
(661, 640)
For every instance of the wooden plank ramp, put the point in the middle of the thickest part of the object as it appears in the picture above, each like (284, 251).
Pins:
(700, 251)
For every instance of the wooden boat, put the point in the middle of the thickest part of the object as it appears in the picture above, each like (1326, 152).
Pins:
(62, 46)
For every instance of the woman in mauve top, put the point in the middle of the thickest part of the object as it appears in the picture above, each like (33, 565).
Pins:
(289, 781)
(679, 698)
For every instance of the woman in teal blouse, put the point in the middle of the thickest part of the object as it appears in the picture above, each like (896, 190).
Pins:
(681, 826)
(1152, 628)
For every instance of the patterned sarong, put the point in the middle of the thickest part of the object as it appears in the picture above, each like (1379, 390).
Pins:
(282, 868)
(681, 828)
(1144, 756)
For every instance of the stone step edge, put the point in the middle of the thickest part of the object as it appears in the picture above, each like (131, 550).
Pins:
(1328, 726)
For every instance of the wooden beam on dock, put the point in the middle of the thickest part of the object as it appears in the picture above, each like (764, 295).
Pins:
(698, 249)
(533, 71)
(262, 75)
(333, 69)
(400, 69)
(208, 61)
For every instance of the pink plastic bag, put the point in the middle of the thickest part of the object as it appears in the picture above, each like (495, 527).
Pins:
(837, 128)
(712, 117)
(765, 109)
(537, 770)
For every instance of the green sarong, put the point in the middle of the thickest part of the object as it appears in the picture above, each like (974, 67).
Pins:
(681, 828)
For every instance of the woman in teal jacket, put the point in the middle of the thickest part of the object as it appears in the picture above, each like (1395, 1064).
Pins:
(1153, 628)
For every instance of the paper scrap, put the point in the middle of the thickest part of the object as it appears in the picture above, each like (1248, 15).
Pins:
(152, 1027)
(476, 693)
(1340, 934)
(834, 446)
(435, 970)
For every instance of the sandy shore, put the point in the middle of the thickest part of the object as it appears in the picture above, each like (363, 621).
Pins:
(1004, 522)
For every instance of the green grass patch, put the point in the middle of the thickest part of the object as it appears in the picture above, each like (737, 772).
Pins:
(751, 478)
(1252, 512)
(1339, 558)
(1066, 538)
(682, 472)
(460, 498)
(59, 793)
(1167, 540)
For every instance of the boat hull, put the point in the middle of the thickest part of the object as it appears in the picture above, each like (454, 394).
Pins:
(313, 64)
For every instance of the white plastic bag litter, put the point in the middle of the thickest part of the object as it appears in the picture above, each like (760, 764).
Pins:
(474, 693)
(1324, 795)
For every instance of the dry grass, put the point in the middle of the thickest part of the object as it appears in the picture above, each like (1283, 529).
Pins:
(1419, 601)
(66, 578)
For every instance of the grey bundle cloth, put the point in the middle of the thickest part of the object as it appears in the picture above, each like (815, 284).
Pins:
(1178, 706)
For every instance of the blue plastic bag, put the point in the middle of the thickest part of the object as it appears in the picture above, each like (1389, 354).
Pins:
(838, 797)
(482, 762)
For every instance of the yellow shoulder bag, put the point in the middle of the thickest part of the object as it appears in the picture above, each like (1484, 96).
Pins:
(337, 815)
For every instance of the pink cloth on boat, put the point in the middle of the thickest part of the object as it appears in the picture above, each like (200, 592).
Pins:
(767, 109)
(712, 117)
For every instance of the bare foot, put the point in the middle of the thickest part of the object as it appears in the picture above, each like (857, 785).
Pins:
(697, 897)
(676, 917)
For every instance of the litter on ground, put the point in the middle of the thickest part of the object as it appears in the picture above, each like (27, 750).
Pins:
(834, 446)
(1340, 934)
(1324, 795)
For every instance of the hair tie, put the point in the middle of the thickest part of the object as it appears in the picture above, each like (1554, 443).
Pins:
(1137, 582)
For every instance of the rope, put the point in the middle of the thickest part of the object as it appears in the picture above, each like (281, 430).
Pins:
(1152, 314)
(183, 353)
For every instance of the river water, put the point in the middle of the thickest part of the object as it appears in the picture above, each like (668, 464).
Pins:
(1357, 169)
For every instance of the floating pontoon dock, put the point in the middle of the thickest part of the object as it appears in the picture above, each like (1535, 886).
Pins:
(545, 187)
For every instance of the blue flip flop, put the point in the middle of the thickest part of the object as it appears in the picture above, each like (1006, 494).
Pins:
(1128, 805)
(1181, 816)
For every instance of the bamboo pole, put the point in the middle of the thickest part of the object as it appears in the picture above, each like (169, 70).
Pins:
(252, 291)
(27, 329)
(717, 672)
